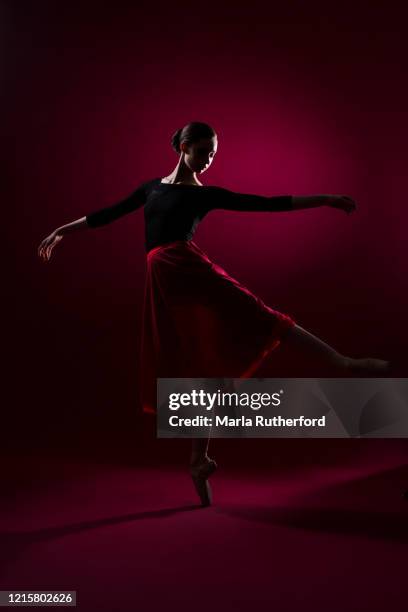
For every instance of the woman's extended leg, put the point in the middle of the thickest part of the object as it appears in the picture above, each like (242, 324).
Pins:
(313, 347)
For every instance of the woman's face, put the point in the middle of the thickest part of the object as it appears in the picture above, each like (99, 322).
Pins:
(199, 155)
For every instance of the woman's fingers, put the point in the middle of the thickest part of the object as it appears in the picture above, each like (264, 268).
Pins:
(46, 246)
(42, 246)
(42, 252)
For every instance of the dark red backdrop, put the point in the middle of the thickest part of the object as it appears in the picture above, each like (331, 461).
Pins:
(305, 97)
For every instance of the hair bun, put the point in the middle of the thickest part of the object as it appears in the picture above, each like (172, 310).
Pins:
(175, 140)
(190, 133)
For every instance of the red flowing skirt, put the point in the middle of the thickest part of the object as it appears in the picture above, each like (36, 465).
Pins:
(200, 322)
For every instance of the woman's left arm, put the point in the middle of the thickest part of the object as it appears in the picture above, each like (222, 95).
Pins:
(219, 197)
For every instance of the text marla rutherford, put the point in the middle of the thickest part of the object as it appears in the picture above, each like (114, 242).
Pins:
(257, 421)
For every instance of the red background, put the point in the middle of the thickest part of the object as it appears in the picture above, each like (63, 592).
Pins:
(306, 98)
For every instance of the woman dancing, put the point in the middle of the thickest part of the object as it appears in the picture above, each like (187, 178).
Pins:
(197, 320)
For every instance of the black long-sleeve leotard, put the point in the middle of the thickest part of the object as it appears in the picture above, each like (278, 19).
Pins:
(172, 211)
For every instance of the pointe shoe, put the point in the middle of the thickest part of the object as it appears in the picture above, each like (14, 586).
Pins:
(200, 474)
(399, 368)
(370, 366)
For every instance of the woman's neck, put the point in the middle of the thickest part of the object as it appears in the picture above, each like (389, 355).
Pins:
(183, 176)
(170, 179)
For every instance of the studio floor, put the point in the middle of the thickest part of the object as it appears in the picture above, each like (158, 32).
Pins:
(129, 537)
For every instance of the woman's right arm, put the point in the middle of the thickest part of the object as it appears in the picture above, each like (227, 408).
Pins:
(94, 219)
(46, 246)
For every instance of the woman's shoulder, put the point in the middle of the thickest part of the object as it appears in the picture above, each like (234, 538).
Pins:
(152, 182)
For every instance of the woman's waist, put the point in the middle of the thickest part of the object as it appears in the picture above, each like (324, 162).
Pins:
(165, 245)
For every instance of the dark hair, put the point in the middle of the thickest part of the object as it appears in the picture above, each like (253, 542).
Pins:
(191, 133)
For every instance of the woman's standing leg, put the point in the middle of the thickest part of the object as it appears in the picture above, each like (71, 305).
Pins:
(201, 466)
(199, 449)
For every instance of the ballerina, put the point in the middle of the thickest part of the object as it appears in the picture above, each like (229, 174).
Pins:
(198, 321)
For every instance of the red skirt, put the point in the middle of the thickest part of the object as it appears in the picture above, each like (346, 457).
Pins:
(200, 322)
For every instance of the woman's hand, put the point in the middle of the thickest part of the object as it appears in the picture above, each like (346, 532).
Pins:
(342, 202)
(46, 246)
